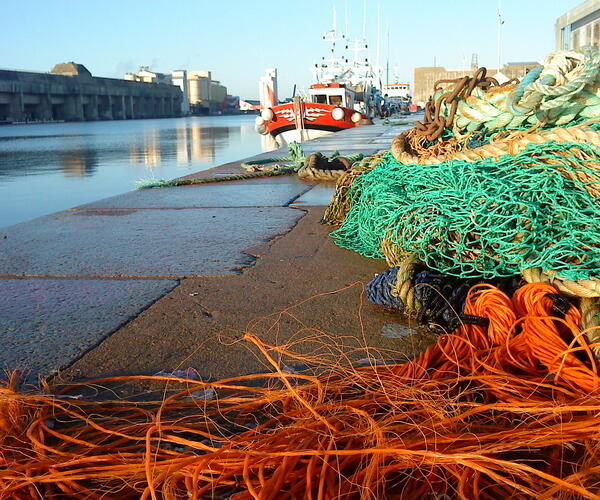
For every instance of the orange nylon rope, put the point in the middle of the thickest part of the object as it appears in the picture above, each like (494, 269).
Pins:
(504, 410)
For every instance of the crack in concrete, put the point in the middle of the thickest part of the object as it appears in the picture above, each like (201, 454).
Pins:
(300, 195)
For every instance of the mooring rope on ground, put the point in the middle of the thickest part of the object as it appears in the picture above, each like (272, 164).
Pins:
(294, 163)
(190, 181)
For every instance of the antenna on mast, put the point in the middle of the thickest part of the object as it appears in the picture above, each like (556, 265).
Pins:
(334, 18)
(500, 23)
(387, 66)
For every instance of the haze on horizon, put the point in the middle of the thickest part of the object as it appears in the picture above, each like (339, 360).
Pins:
(238, 40)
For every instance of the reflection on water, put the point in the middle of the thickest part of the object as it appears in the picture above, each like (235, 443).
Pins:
(193, 143)
(148, 154)
(49, 167)
(78, 163)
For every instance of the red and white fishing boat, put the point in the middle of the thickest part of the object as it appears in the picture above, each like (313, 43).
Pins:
(343, 95)
(330, 110)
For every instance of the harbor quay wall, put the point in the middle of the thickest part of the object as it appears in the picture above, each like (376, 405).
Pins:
(27, 96)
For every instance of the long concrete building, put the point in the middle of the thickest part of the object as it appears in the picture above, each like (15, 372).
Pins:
(70, 93)
(201, 94)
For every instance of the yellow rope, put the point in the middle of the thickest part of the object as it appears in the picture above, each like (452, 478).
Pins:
(316, 174)
(512, 144)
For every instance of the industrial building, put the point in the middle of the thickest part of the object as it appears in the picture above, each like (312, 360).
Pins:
(201, 94)
(177, 77)
(70, 93)
(578, 27)
(146, 76)
(207, 96)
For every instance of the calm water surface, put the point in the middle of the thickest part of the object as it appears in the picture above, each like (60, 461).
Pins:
(50, 167)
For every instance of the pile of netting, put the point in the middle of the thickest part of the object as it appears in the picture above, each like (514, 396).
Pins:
(538, 208)
(471, 194)
(507, 408)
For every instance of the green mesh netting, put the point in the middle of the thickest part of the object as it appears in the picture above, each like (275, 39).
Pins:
(487, 218)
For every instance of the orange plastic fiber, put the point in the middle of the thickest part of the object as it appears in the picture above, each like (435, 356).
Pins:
(511, 410)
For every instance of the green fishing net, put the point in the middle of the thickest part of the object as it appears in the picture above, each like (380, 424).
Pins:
(488, 218)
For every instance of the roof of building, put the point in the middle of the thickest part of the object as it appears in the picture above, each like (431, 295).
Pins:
(525, 63)
(70, 69)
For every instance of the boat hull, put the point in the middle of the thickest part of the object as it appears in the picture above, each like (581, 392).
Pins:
(307, 134)
(304, 121)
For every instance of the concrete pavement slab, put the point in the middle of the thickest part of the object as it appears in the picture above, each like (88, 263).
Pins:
(304, 293)
(189, 242)
(318, 196)
(48, 324)
(209, 195)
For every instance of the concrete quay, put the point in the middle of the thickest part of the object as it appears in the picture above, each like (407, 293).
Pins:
(172, 278)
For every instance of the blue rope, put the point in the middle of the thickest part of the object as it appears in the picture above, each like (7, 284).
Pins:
(379, 290)
(516, 95)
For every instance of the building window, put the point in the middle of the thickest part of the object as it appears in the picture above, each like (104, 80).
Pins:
(566, 37)
(596, 34)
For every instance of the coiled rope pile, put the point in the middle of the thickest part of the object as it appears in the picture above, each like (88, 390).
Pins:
(472, 194)
(507, 408)
(561, 91)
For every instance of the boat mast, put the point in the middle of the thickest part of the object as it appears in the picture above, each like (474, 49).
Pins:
(330, 65)
(387, 64)
(379, 66)
(346, 17)
(378, 33)
(364, 19)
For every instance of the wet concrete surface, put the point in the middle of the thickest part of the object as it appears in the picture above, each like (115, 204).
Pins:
(210, 195)
(318, 196)
(140, 242)
(48, 324)
(206, 236)
(303, 292)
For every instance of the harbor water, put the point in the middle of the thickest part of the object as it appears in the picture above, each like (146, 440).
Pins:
(49, 167)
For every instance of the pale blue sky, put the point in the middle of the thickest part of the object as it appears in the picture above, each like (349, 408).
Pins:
(237, 40)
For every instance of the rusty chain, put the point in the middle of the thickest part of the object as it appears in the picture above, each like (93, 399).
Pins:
(434, 123)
